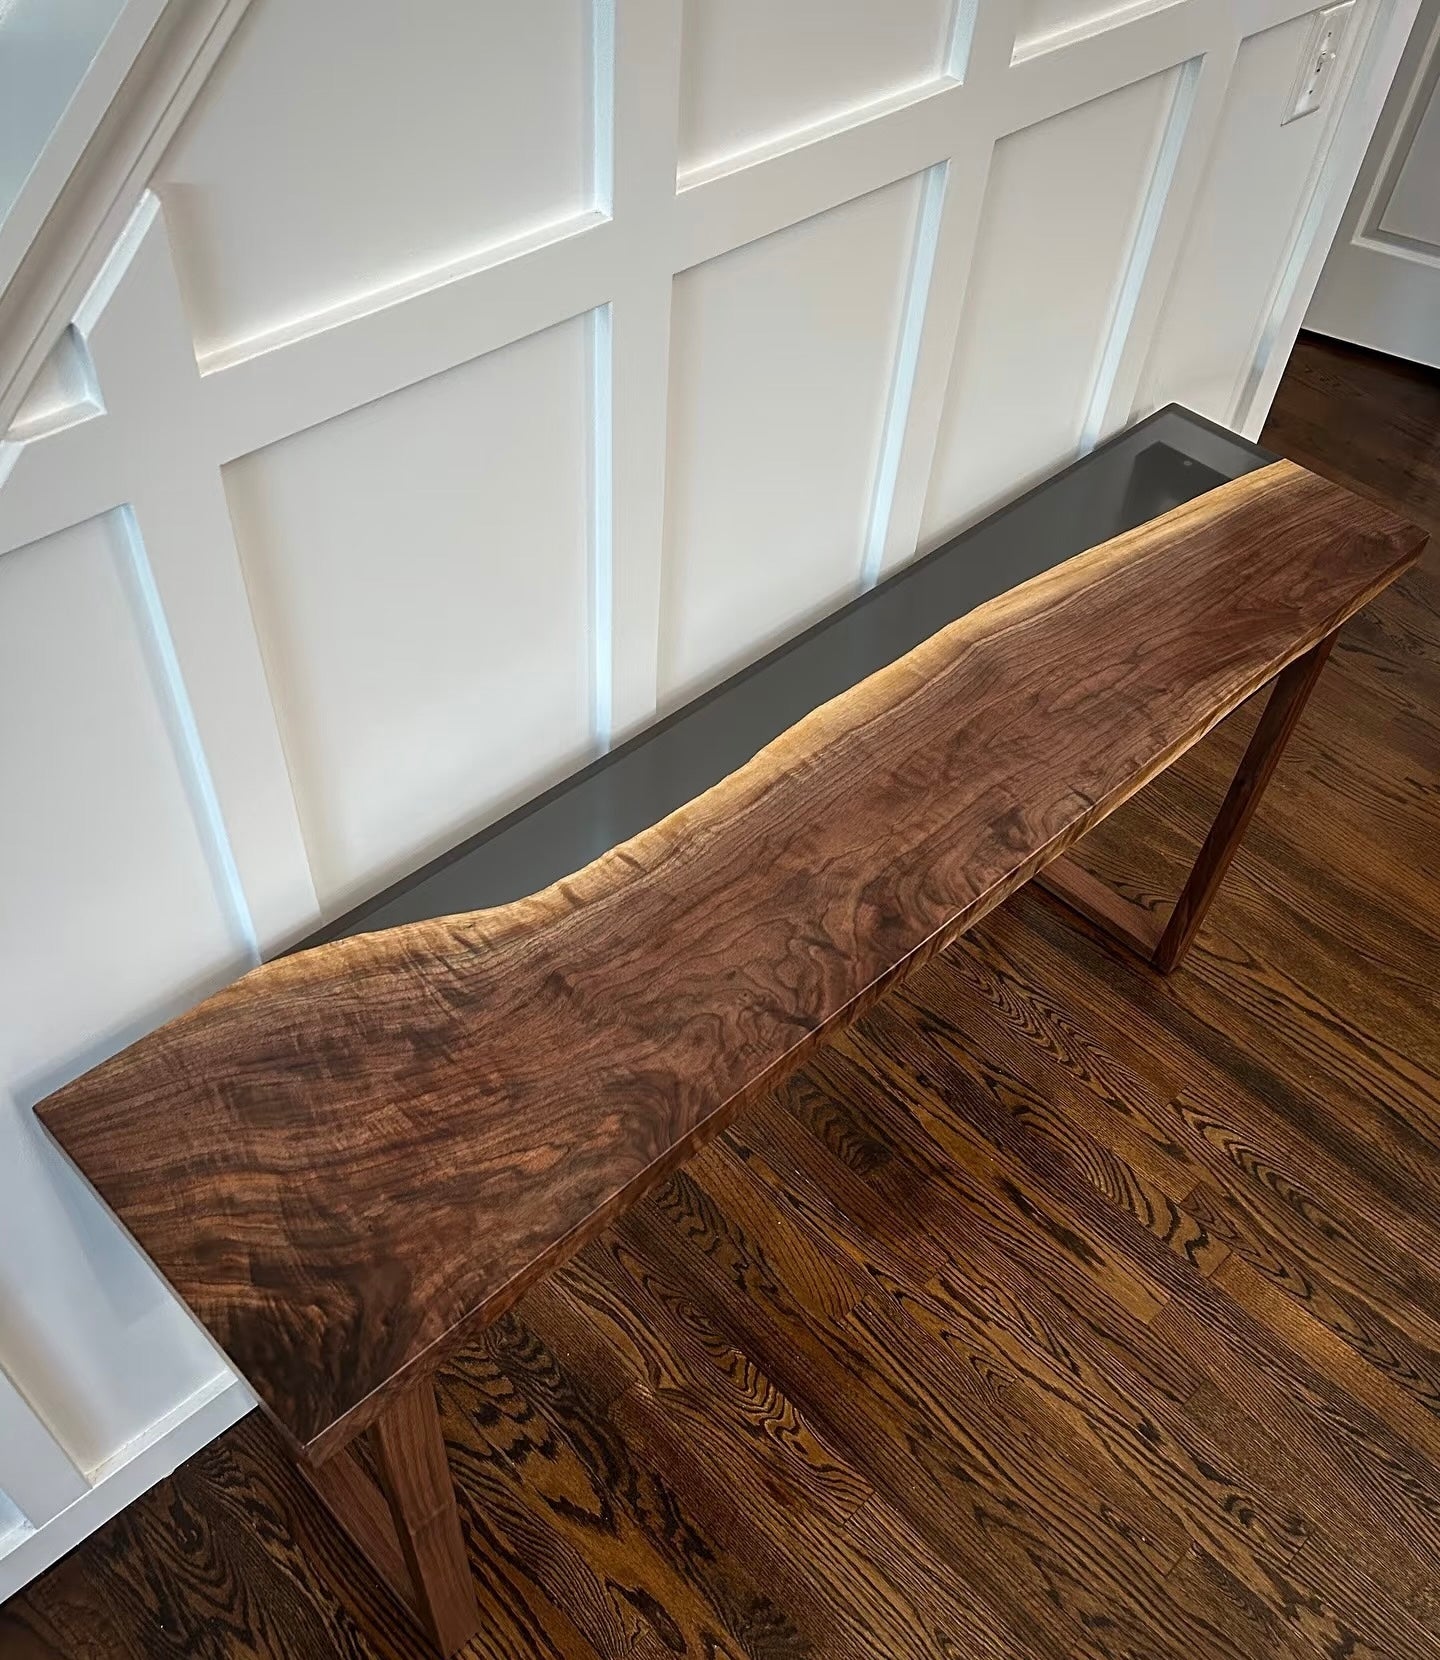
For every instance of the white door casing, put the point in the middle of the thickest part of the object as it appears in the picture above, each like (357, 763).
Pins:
(1381, 284)
(467, 389)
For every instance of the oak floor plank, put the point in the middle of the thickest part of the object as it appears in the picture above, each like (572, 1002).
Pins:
(1109, 1574)
(1258, 1567)
(914, 1226)
(884, 1431)
(1353, 1552)
(73, 1620)
(568, 1500)
(1343, 1271)
(889, 1598)
(1035, 1346)
(1268, 1618)
(705, 1374)
(1382, 1161)
(1107, 1135)
(961, 1118)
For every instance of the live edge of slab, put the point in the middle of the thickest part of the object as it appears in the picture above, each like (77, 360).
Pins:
(354, 1155)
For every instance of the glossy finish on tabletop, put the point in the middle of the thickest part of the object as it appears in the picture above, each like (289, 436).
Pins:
(388, 1138)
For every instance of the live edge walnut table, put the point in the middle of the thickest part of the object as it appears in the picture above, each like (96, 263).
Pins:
(359, 1154)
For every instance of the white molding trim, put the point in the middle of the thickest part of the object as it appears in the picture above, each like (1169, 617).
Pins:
(130, 1471)
(76, 126)
(1154, 247)
(37, 1475)
(906, 368)
(647, 37)
(89, 187)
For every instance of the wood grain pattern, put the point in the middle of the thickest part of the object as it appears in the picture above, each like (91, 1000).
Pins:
(387, 1139)
(1163, 940)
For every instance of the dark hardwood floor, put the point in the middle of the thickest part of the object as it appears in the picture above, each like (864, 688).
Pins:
(1057, 1310)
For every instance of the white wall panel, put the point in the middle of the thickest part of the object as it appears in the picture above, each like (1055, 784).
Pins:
(110, 900)
(419, 571)
(781, 359)
(752, 70)
(1043, 25)
(1056, 234)
(343, 145)
(111, 920)
(37, 1477)
(1243, 224)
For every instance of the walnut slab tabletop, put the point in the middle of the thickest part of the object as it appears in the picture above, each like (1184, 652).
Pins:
(352, 1156)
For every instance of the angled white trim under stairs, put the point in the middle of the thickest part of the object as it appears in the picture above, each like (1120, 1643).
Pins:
(93, 169)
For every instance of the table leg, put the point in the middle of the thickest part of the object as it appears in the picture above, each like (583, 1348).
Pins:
(410, 1452)
(1267, 743)
(1137, 929)
(359, 1508)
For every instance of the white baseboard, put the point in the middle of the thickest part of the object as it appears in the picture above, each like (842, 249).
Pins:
(125, 1475)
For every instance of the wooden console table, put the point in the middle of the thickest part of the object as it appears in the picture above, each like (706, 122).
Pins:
(359, 1154)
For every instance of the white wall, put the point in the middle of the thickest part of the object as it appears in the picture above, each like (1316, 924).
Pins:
(477, 380)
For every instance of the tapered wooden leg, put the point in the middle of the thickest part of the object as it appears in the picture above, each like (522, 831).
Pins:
(415, 1474)
(359, 1508)
(1139, 930)
(1267, 743)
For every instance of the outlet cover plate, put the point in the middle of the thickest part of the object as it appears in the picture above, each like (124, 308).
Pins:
(1318, 61)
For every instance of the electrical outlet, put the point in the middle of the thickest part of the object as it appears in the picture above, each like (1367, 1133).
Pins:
(1317, 62)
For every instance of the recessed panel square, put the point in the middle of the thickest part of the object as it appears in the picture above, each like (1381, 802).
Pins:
(753, 70)
(1062, 210)
(782, 354)
(341, 146)
(419, 573)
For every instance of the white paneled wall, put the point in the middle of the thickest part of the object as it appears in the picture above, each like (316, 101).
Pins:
(1056, 235)
(1244, 222)
(813, 313)
(753, 72)
(473, 382)
(340, 149)
(424, 679)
